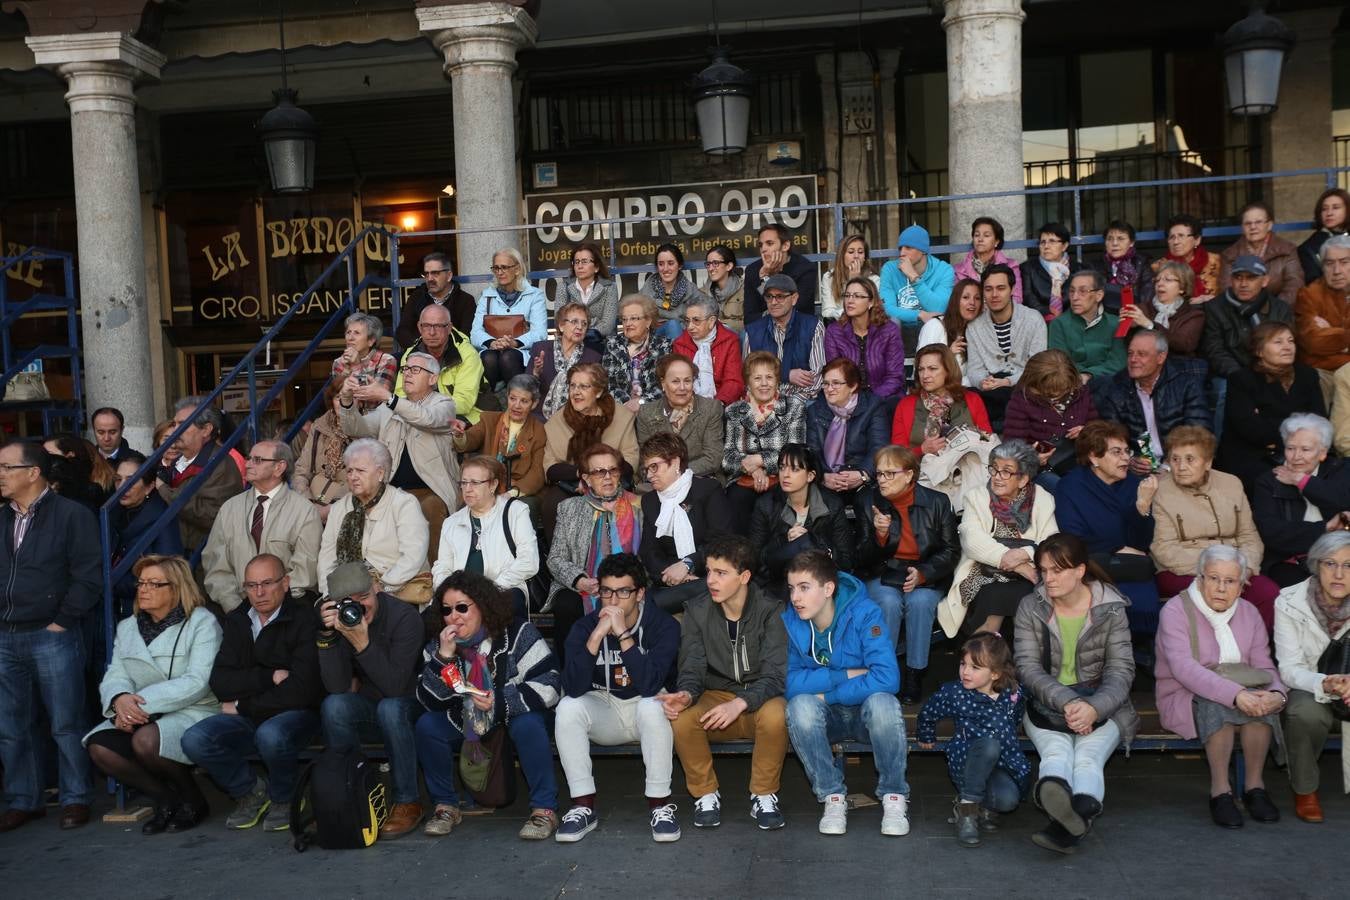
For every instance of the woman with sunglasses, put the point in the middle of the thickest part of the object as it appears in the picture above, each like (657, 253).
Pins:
(604, 520)
(490, 535)
(513, 679)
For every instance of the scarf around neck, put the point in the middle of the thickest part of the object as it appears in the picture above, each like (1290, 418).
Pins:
(472, 654)
(351, 534)
(1221, 622)
(586, 430)
(1199, 259)
(562, 364)
(673, 521)
(1123, 269)
(837, 435)
(1163, 312)
(1059, 273)
(704, 385)
(1015, 513)
(1332, 617)
(616, 527)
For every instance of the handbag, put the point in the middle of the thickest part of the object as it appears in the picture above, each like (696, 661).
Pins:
(1063, 457)
(487, 769)
(1239, 673)
(1335, 660)
(417, 590)
(26, 387)
(1126, 567)
(504, 326)
(1042, 715)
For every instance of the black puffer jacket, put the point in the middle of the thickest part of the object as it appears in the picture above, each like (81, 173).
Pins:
(244, 666)
(1179, 398)
(827, 528)
(1228, 326)
(934, 525)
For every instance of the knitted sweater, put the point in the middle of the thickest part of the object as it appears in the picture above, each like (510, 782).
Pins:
(983, 356)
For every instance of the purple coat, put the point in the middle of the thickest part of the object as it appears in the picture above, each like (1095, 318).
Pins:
(885, 354)
(1180, 677)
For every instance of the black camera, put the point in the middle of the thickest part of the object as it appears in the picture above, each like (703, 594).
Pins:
(350, 612)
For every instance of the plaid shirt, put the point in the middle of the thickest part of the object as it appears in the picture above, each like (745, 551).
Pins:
(619, 368)
(380, 366)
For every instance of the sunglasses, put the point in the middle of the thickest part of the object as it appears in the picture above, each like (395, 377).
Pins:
(461, 608)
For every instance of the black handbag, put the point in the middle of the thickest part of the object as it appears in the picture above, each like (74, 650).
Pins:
(1041, 715)
(1335, 660)
(1126, 567)
(1063, 458)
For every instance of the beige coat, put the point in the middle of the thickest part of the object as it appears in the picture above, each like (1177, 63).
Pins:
(1186, 521)
(1340, 411)
(620, 435)
(394, 541)
(978, 545)
(291, 531)
(310, 478)
(423, 426)
(1300, 641)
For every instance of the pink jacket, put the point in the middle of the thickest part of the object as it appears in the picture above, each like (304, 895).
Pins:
(1180, 677)
(966, 269)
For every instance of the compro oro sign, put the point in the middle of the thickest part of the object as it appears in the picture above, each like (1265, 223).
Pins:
(696, 229)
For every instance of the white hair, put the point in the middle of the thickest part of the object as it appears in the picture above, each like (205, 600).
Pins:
(1335, 242)
(428, 361)
(1318, 425)
(372, 450)
(1222, 553)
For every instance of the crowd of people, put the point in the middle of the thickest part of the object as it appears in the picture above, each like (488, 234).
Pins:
(747, 519)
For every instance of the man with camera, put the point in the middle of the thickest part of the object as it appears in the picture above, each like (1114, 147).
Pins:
(370, 648)
(266, 676)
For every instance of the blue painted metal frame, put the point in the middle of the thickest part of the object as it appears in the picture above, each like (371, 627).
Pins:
(41, 302)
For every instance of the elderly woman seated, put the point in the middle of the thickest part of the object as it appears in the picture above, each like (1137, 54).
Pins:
(1000, 529)
(514, 438)
(1303, 498)
(679, 515)
(1195, 508)
(939, 403)
(631, 353)
(1312, 624)
(1216, 681)
(698, 420)
(363, 357)
(798, 516)
(848, 426)
(377, 524)
(756, 429)
(551, 360)
(158, 685)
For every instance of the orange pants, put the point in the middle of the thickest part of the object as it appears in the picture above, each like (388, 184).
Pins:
(767, 727)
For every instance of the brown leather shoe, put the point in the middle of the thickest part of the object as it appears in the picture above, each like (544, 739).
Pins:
(1307, 808)
(74, 815)
(402, 819)
(15, 818)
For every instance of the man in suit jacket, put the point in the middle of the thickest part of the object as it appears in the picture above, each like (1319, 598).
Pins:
(269, 517)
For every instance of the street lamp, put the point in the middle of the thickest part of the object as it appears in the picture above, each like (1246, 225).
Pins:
(288, 133)
(1254, 50)
(722, 102)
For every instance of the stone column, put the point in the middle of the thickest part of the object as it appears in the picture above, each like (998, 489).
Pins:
(984, 93)
(480, 41)
(100, 70)
(1298, 134)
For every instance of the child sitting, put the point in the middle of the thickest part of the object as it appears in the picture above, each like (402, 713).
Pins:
(984, 758)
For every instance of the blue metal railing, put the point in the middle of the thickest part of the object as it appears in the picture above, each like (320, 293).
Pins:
(10, 313)
(610, 227)
(245, 369)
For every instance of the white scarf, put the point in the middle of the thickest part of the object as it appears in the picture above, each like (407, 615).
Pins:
(1220, 622)
(1163, 312)
(703, 362)
(673, 521)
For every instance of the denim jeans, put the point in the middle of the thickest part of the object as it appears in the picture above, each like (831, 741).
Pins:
(222, 745)
(917, 609)
(671, 328)
(983, 782)
(1218, 393)
(1078, 759)
(438, 747)
(813, 725)
(48, 666)
(352, 719)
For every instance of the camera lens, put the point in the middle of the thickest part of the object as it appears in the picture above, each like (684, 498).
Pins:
(349, 613)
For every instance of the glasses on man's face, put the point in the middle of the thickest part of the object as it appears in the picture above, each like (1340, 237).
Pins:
(471, 482)
(857, 295)
(414, 370)
(258, 460)
(996, 472)
(776, 297)
(432, 273)
(255, 586)
(1330, 565)
(461, 608)
(434, 326)
(142, 584)
(622, 593)
(506, 268)
(888, 474)
(604, 473)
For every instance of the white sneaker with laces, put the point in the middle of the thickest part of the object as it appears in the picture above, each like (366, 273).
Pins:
(894, 815)
(664, 826)
(835, 818)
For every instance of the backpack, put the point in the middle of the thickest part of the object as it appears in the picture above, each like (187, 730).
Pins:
(341, 795)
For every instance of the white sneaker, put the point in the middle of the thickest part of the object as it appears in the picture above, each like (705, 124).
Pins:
(894, 815)
(835, 818)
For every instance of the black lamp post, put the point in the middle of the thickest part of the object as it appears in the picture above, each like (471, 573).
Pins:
(289, 135)
(1254, 50)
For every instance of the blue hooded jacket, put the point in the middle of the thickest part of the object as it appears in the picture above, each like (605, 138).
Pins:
(930, 293)
(857, 639)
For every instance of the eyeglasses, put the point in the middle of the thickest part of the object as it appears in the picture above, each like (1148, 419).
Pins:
(12, 466)
(1330, 565)
(256, 460)
(1123, 452)
(252, 586)
(1179, 237)
(604, 473)
(654, 466)
(414, 370)
(151, 584)
(582, 261)
(1222, 581)
(461, 608)
(434, 326)
(995, 472)
(715, 262)
(432, 273)
(506, 268)
(575, 387)
(576, 321)
(888, 474)
(696, 320)
(629, 320)
(622, 593)
(470, 482)
(832, 383)
(856, 295)
(777, 296)
(1050, 240)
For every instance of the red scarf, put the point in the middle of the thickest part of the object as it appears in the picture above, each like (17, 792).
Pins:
(1199, 259)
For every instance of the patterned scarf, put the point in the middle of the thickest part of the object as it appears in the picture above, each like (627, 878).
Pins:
(562, 364)
(506, 445)
(1059, 273)
(472, 655)
(1124, 269)
(837, 435)
(351, 533)
(1163, 312)
(653, 287)
(333, 448)
(1015, 513)
(939, 407)
(586, 430)
(150, 629)
(677, 417)
(615, 528)
(760, 412)
(1332, 616)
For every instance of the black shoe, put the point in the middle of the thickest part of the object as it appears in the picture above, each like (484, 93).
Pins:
(1055, 837)
(158, 822)
(185, 817)
(911, 685)
(1088, 808)
(1259, 806)
(1223, 809)
(1055, 799)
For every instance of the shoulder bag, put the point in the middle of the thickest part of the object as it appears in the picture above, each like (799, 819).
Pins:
(1239, 673)
(1040, 714)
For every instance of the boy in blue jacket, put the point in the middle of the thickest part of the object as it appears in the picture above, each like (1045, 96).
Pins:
(841, 685)
(618, 659)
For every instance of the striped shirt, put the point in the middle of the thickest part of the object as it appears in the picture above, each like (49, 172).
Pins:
(24, 520)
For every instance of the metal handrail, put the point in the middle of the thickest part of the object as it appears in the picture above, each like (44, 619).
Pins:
(248, 368)
(9, 314)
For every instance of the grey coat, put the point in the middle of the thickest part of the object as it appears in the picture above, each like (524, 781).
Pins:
(572, 542)
(983, 358)
(603, 307)
(1104, 654)
(702, 432)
